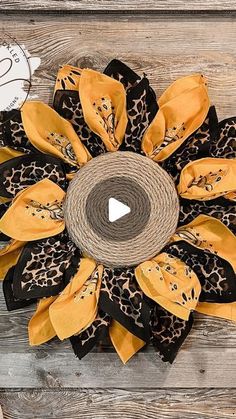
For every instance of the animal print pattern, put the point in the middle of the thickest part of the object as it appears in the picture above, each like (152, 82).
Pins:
(50, 211)
(172, 134)
(12, 302)
(219, 208)
(216, 275)
(141, 104)
(209, 180)
(141, 109)
(168, 332)
(62, 144)
(24, 171)
(195, 147)
(86, 340)
(67, 104)
(224, 145)
(41, 267)
(105, 113)
(89, 287)
(121, 298)
(12, 133)
(122, 73)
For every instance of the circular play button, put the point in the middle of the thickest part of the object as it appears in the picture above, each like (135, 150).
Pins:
(118, 208)
(121, 208)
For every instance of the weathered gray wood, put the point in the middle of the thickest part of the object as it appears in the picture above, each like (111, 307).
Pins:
(122, 5)
(165, 48)
(211, 367)
(120, 404)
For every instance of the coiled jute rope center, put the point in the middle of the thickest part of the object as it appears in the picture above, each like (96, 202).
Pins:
(137, 182)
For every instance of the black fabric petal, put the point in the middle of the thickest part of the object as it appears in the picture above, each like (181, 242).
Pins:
(86, 340)
(220, 208)
(121, 298)
(141, 104)
(12, 133)
(216, 275)
(21, 172)
(224, 145)
(12, 302)
(67, 104)
(195, 147)
(3, 208)
(168, 332)
(121, 72)
(41, 267)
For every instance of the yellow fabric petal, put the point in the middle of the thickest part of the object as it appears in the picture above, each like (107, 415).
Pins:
(103, 101)
(76, 307)
(208, 178)
(211, 234)
(224, 311)
(40, 328)
(124, 342)
(9, 256)
(68, 77)
(50, 133)
(183, 108)
(171, 283)
(7, 153)
(35, 213)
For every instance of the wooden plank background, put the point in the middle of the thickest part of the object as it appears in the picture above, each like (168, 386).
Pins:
(166, 41)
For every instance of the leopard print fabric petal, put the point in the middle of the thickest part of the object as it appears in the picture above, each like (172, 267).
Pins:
(225, 145)
(141, 104)
(41, 267)
(12, 133)
(12, 302)
(121, 298)
(195, 147)
(67, 104)
(168, 332)
(216, 275)
(86, 340)
(23, 171)
(220, 208)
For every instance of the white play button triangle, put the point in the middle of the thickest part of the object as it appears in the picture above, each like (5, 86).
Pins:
(116, 210)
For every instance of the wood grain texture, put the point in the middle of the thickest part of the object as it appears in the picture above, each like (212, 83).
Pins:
(120, 404)
(211, 367)
(120, 6)
(158, 46)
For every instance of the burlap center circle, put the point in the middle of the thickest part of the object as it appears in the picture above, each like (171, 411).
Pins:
(136, 181)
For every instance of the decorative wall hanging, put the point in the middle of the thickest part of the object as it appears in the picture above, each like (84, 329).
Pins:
(139, 279)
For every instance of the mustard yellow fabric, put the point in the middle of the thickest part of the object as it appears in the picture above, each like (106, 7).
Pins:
(68, 77)
(103, 101)
(7, 153)
(183, 108)
(35, 213)
(211, 234)
(9, 256)
(224, 311)
(208, 178)
(76, 307)
(40, 329)
(124, 342)
(52, 134)
(171, 283)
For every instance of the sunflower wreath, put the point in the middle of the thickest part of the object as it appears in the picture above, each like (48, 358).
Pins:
(182, 157)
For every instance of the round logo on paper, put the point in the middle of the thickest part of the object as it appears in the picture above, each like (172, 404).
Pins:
(15, 73)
